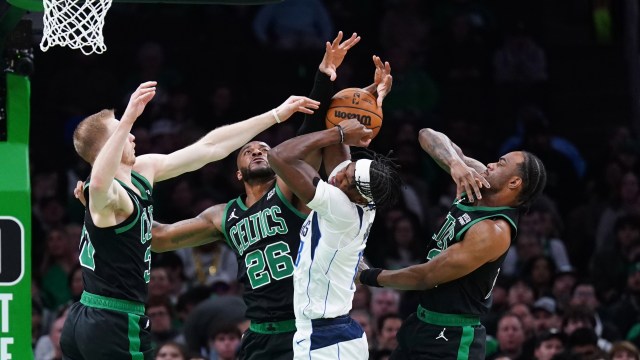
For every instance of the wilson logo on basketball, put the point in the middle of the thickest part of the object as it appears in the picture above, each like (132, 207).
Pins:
(363, 119)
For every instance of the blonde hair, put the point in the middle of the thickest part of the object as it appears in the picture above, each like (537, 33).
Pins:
(624, 345)
(91, 134)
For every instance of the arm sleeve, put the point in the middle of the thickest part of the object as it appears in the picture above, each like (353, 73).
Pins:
(322, 91)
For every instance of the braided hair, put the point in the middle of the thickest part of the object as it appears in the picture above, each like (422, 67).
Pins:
(385, 184)
(534, 179)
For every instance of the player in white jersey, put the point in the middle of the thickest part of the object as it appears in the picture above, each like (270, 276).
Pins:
(334, 235)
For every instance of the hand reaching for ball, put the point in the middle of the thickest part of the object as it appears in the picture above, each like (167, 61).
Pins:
(355, 134)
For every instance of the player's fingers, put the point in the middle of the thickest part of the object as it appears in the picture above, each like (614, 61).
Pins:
(467, 189)
(387, 67)
(147, 84)
(476, 189)
(337, 40)
(365, 142)
(458, 191)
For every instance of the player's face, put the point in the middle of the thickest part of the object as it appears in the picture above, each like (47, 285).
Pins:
(252, 162)
(345, 181)
(504, 171)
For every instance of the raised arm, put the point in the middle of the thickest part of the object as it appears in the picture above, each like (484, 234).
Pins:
(288, 158)
(219, 143)
(484, 242)
(465, 171)
(104, 193)
(203, 229)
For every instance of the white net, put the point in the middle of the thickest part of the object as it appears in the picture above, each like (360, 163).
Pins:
(75, 23)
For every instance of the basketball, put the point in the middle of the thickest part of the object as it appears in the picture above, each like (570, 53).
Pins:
(355, 103)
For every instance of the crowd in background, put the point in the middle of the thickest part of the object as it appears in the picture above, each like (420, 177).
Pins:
(480, 71)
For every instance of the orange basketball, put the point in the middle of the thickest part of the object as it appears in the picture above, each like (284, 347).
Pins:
(355, 103)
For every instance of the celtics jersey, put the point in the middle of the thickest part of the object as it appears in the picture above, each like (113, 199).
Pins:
(265, 238)
(116, 260)
(470, 294)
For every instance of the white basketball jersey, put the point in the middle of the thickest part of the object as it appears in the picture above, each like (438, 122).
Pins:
(332, 240)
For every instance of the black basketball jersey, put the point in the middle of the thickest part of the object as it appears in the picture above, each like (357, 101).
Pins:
(116, 260)
(265, 238)
(470, 294)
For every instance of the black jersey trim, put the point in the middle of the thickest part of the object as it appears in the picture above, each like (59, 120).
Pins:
(289, 204)
(466, 227)
(224, 224)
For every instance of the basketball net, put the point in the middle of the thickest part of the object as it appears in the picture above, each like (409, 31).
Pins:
(75, 23)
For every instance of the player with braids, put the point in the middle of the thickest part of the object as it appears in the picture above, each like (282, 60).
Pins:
(383, 180)
(334, 234)
(465, 254)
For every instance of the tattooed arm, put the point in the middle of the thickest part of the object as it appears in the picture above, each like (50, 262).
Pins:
(465, 171)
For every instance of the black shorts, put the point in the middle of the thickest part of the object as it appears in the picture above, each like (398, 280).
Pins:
(420, 340)
(91, 333)
(257, 346)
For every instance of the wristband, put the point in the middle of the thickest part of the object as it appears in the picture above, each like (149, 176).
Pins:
(341, 133)
(275, 115)
(370, 277)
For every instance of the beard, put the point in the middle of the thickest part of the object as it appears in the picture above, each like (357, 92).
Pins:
(257, 175)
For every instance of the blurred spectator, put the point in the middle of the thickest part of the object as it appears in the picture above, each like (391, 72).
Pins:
(583, 344)
(609, 266)
(540, 271)
(160, 312)
(361, 298)
(74, 281)
(548, 344)
(545, 313)
(510, 338)
(171, 350)
(58, 262)
(626, 312)
(294, 24)
(159, 285)
(224, 341)
(584, 294)
(404, 247)
(525, 314)
(384, 301)
(206, 264)
(36, 322)
(521, 292)
(578, 317)
(625, 201)
(208, 314)
(563, 285)
(48, 346)
(388, 326)
(624, 350)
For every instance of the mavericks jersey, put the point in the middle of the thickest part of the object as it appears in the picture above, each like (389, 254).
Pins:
(264, 238)
(332, 241)
(470, 294)
(116, 260)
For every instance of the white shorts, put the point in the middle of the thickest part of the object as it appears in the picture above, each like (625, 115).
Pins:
(330, 339)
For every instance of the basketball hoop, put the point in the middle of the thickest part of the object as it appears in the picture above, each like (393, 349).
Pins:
(75, 23)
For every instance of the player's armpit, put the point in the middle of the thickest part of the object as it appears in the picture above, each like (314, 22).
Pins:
(484, 242)
(203, 229)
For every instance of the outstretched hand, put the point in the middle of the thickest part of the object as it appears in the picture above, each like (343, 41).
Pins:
(382, 78)
(335, 53)
(296, 104)
(355, 134)
(139, 99)
(467, 180)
